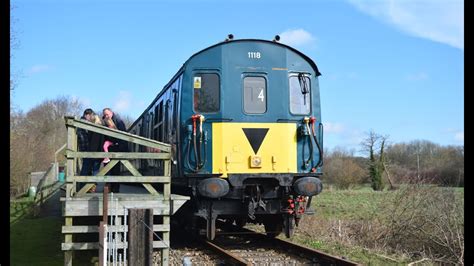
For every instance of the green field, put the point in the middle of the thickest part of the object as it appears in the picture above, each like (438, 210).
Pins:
(338, 228)
(334, 206)
(36, 239)
(343, 218)
(20, 208)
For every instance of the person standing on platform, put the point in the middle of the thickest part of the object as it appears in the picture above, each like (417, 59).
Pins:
(118, 146)
(84, 145)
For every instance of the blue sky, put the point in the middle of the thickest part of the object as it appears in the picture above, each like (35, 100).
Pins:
(396, 67)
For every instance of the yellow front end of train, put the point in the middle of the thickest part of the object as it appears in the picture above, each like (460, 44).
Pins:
(253, 148)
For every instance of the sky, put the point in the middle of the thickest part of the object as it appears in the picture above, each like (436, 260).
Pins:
(392, 66)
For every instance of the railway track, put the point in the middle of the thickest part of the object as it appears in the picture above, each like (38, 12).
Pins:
(250, 248)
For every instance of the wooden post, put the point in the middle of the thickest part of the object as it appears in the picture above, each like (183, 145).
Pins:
(102, 234)
(140, 237)
(139, 243)
(105, 205)
(71, 145)
(70, 188)
(68, 239)
(165, 253)
(102, 244)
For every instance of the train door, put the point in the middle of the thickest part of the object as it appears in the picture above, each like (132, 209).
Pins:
(166, 117)
(174, 124)
(144, 132)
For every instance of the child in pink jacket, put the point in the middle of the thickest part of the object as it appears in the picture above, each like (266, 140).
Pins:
(109, 123)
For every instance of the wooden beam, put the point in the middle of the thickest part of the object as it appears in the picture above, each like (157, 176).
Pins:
(130, 168)
(120, 179)
(140, 237)
(79, 229)
(70, 168)
(93, 207)
(68, 241)
(150, 189)
(80, 123)
(85, 188)
(107, 168)
(135, 172)
(125, 197)
(102, 243)
(167, 172)
(119, 155)
(95, 245)
(165, 253)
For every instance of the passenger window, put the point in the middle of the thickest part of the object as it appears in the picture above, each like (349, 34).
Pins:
(300, 94)
(255, 95)
(206, 93)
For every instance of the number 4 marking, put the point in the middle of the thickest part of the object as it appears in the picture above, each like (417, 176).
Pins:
(260, 95)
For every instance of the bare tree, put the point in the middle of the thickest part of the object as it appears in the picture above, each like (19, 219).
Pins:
(426, 160)
(376, 167)
(35, 136)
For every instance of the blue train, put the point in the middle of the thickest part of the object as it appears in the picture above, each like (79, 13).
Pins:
(243, 117)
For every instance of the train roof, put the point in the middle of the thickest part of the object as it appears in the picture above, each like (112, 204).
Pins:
(310, 61)
(181, 69)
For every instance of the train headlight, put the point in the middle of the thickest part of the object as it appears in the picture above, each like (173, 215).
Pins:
(308, 186)
(255, 161)
(213, 187)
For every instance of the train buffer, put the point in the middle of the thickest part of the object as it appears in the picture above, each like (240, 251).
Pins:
(84, 212)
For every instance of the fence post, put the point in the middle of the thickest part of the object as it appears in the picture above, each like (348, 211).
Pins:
(165, 253)
(71, 144)
(140, 235)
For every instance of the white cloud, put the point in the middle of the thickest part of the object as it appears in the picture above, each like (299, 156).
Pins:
(437, 20)
(86, 102)
(38, 69)
(337, 134)
(296, 37)
(459, 136)
(335, 128)
(122, 101)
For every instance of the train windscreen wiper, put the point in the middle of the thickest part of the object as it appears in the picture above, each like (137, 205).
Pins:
(303, 85)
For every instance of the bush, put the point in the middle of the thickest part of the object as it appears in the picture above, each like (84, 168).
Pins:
(427, 221)
(416, 221)
(343, 172)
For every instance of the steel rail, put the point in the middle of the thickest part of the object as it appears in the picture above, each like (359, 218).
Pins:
(232, 259)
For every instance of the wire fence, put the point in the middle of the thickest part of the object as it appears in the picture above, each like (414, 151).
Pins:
(115, 242)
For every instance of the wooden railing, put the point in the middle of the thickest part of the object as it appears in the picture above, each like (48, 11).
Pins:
(124, 158)
(77, 203)
(47, 185)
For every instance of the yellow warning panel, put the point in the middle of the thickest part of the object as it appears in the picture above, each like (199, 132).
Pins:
(253, 148)
(197, 82)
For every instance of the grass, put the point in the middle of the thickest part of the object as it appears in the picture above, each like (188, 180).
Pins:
(354, 253)
(348, 204)
(36, 241)
(20, 208)
(349, 207)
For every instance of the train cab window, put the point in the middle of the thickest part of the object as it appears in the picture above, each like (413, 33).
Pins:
(300, 94)
(206, 93)
(255, 95)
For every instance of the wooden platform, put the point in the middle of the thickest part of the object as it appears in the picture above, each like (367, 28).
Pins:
(154, 196)
(90, 204)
